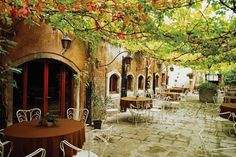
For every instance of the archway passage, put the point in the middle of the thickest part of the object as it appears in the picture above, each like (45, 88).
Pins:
(44, 83)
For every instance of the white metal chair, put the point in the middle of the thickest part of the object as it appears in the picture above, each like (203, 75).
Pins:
(138, 113)
(111, 109)
(157, 108)
(97, 134)
(233, 116)
(100, 135)
(36, 152)
(2, 147)
(216, 115)
(82, 152)
(28, 115)
(2, 133)
(77, 114)
(207, 149)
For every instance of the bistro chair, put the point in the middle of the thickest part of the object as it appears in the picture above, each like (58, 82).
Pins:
(28, 115)
(233, 117)
(138, 113)
(157, 108)
(77, 114)
(95, 135)
(1, 133)
(3, 145)
(36, 152)
(112, 109)
(207, 149)
(215, 115)
(80, 152)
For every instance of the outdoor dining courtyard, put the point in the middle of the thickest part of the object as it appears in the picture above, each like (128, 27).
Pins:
(175, 134)
(118, 78)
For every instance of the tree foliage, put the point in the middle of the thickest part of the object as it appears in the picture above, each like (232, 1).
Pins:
(187, 32)
(230, 77)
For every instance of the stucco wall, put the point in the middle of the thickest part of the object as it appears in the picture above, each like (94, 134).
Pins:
(35, 42)
(44, 40)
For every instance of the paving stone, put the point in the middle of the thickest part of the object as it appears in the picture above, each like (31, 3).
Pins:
(175, 136)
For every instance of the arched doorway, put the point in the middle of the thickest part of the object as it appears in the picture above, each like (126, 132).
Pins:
(44, 83)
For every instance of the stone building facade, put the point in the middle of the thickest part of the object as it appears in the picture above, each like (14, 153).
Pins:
(143, 75)
(47, 79)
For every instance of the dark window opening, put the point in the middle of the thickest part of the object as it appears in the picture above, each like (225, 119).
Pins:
(156, 81)
(113, 87)
(35, 83)
(140, 82)
(130, 82)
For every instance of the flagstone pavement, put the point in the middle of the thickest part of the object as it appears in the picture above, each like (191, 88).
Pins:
(176, 134)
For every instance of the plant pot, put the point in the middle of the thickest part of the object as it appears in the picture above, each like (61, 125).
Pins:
(207, 95)
(97, 124)
(49, 123)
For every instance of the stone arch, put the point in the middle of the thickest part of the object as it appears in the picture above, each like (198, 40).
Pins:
(140, 82)
(46, 55)
(108, 76)
(42, 55)
(130, 82)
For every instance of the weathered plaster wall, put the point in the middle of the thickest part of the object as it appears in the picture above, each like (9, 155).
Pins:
(34, 42)
(45, 43)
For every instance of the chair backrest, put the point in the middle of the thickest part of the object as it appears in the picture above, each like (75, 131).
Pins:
(102, 134)
(28, 115)
(36, 152)
(77, 114)
(111, 106)
(233, 116)
(64, 143)
(1, 134)
(2, 148)
(131, 106)
(167, 98)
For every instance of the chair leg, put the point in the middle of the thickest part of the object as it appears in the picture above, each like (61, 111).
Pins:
(117, 120)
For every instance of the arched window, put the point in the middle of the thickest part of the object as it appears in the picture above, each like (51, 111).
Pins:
(113, 87)
(140, 82)
(130, 82)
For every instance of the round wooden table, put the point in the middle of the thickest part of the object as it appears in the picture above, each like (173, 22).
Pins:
(29, 136)
(225, 107)
(230, 99)
(126, 101)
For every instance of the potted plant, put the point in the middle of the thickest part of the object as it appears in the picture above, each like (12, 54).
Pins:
(99, 109)
(48, 120)
(207, 91)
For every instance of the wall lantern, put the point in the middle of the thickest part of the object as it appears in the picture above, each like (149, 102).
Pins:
(171, 68)
(158, 65)
(127, 60)
(66, 42)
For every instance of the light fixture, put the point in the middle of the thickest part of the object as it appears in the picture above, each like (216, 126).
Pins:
(127, 60)
(159, 64)
(66, 42)
(171, 68)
